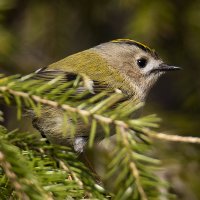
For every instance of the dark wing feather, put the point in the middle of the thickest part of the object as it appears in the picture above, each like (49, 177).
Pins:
(48, 75)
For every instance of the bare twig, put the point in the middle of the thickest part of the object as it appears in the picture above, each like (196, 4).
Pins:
(172, 138)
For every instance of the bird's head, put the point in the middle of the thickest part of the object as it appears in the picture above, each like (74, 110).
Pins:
(139, 65)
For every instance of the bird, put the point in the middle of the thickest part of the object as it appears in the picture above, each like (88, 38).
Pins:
(123, 65)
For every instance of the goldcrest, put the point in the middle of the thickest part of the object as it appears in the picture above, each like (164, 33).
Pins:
(124, 65)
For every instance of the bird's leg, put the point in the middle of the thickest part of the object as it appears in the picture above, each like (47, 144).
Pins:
(79, 146)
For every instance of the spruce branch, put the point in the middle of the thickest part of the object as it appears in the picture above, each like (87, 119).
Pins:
(19, 174)
(101, 118)
(57, 174)
(108, 110)
(133, 167)
(84, 113)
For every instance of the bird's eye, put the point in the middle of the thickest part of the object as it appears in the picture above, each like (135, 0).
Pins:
(142, 62)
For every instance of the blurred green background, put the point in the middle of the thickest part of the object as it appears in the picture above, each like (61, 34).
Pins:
(35, 33)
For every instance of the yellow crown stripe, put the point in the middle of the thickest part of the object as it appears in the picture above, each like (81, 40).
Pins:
(132, 41)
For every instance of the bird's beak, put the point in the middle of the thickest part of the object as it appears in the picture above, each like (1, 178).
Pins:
(164, 67)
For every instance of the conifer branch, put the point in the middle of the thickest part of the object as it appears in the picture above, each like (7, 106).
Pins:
(103, 109)
(133, 167)
(12, 177)
(101, 118)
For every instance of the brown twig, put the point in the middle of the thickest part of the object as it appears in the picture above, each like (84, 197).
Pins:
(132, 165)
(172, 138)
(66, 168)
(65, 107)
(136, 174)
(107, 120)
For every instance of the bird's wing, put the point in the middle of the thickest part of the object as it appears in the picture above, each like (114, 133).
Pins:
(48, 75)
(94, 87)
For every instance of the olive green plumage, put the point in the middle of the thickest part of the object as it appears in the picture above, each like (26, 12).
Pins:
(124, 65)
